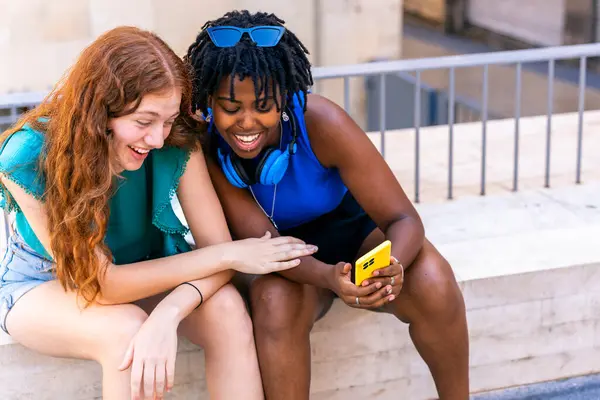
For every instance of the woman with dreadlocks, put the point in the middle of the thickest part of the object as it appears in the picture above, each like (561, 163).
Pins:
(296, 164)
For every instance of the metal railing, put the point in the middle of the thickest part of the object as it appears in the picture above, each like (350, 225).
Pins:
(12, 105)
(452, 63)
(465, 109)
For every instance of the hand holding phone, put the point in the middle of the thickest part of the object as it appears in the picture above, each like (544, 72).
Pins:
(375, 259)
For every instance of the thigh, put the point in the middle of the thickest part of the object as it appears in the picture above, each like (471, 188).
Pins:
(429, 282)
(429, 289)
(54, 322)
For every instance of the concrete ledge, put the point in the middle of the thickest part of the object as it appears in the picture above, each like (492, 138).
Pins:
(530, 273)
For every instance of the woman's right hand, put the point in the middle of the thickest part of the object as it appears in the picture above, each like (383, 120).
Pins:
(265, 255)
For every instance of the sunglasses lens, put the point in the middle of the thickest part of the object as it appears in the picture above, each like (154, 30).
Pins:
(266, 36)
(225, 37)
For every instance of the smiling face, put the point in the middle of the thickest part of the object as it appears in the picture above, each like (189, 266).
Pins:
(136, 134)
(246, 123)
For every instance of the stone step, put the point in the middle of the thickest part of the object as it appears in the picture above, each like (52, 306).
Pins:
(528, 268)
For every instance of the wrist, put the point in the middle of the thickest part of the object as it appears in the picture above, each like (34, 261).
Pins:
(168, 313)
(330, 278)
(219, 256)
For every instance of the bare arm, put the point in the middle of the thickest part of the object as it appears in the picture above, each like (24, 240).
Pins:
(338, 142)
(205, 218)
(131, 282)
(127, 283)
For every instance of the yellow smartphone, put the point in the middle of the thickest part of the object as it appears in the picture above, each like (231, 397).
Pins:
(377, 258)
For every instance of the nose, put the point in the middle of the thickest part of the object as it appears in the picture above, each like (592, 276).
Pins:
(155, 138)
(246, 121)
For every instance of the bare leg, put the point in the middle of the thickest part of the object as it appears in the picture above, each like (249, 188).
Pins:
(222, 327)
(48, 320)
(283, 313)
(432, 303)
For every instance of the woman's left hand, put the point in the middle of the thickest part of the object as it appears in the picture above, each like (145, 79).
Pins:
(392, 275)
(151, 355)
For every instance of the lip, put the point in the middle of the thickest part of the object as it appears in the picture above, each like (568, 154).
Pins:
(248, 147)
(136, 155)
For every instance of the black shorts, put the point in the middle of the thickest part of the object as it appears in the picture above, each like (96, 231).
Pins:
(339, 234)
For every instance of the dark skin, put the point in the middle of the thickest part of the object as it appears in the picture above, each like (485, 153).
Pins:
(285, 306)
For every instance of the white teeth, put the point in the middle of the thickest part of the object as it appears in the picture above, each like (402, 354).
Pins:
(247, 138)
(139, 150)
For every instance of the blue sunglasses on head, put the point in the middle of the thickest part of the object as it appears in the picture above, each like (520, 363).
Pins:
(229, 36)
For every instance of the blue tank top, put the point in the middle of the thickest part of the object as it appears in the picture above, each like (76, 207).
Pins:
(308, 189)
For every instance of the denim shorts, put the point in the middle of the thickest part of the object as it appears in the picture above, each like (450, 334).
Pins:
(21, 270)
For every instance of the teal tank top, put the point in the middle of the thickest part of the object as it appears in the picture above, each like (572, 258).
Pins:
(142, 223)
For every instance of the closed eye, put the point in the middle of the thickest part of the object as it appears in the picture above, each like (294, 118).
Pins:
(229, 111)
(264, 109)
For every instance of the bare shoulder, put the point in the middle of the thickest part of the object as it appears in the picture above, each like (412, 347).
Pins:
(332, 132)
(323, 113)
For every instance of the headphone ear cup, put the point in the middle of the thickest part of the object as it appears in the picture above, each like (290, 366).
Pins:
(239, 169)
(230, 171)
(272, 167)
(261, 164)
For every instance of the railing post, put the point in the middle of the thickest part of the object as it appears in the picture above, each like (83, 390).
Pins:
(417, 134)
(484, 127)
(549, 123)
(382, 112)
(517, 126)
(582, 82)
(13, 114)
(451, 106)
(347, 94)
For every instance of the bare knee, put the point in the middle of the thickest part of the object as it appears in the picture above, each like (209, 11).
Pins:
(279, 307)
(432, 288)
(120, 324)
(222, 318)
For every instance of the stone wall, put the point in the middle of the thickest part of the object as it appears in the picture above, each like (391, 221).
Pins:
(39, 40)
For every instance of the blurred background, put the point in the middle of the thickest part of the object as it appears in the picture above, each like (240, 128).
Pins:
(39, 40)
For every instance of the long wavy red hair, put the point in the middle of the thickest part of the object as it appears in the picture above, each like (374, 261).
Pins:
(109, 80)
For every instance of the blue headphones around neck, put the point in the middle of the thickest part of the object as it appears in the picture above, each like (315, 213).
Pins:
(272, 163)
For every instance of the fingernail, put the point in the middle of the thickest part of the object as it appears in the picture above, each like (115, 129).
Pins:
(389, 289)
(392, 297)
(365, 283)
(378, 285)
(376, 273)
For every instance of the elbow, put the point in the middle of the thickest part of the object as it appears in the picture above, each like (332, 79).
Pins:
(417, 230)
(108, 295)
(411, 225)
(420, 229)
(108, 298)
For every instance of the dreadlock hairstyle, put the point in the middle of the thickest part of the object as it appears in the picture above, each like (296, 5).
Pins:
(283, 67)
